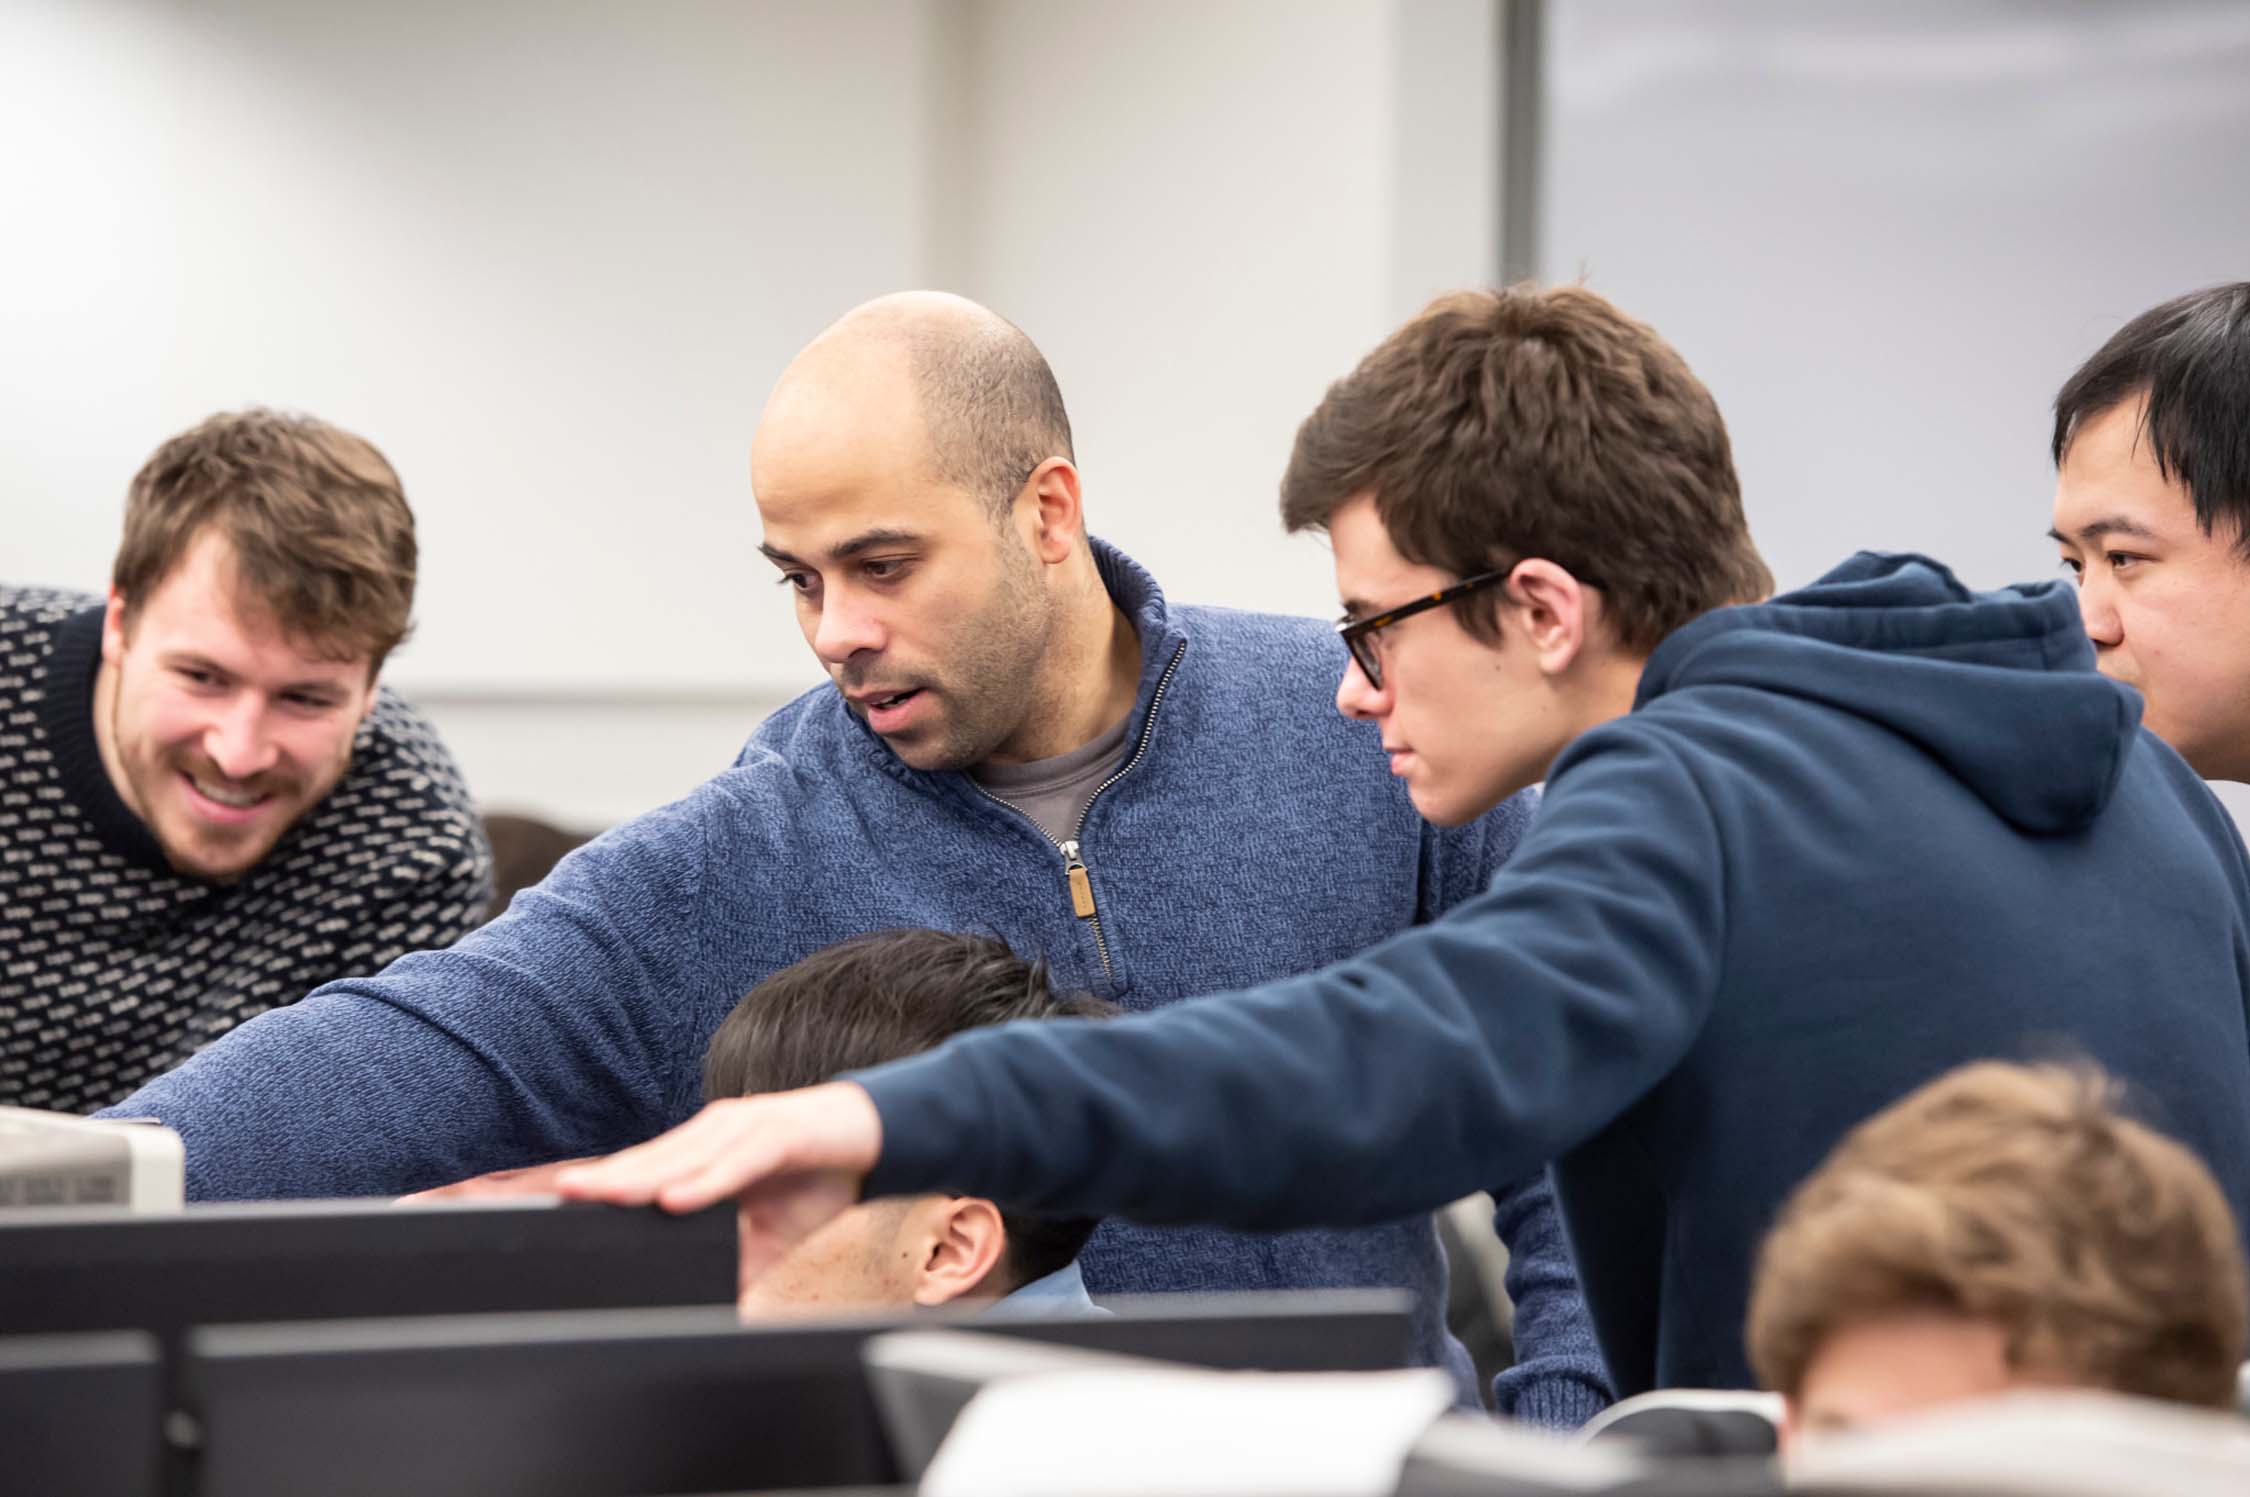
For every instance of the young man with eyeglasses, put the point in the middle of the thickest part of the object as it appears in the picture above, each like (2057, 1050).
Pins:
(1795, 858)
(1022, 736)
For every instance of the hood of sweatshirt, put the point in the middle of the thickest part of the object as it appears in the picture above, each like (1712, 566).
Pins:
(1999, 687)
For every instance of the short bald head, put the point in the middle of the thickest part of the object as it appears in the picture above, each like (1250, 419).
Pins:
(913, 475)
(939, 371)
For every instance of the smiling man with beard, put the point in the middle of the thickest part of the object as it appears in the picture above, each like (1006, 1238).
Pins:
(1023, 737)
(207, 805)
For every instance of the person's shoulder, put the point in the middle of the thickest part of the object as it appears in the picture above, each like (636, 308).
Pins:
(2175, 787)
(811, 738)
(31, 634)
(403, 804)
(1271, 656)
(1243, 627)
(399, 751)
(1671, 736)
(27, 607)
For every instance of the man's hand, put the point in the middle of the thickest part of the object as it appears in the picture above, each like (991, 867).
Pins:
(790, 1160)
(531, 1180)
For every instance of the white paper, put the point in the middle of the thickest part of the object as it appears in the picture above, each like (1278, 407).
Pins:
(61, 1159)
(1169, 1434)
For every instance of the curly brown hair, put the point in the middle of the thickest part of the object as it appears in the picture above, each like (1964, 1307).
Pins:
(2017, 1195)
(1503, 425)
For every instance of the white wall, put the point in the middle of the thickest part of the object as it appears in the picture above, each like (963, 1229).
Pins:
(548, 256)
(1885, 231)
(551, 256)
(1206, 213)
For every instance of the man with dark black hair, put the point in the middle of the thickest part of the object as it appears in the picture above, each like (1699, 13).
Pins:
(878, 998)
(2152, 512)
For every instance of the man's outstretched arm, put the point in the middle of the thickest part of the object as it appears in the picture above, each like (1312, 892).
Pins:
(1473, 1049)
(556, 1031)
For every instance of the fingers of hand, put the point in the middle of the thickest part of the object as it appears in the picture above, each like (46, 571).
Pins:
(691, 1151)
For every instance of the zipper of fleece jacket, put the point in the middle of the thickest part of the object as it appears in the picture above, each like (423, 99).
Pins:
(1073, 849)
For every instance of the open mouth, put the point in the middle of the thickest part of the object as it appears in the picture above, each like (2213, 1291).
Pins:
(892, 713)
(225, 797)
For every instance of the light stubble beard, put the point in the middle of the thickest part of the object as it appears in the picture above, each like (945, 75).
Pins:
(999, 666)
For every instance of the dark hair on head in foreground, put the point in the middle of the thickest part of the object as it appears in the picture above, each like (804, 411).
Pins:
(1498, 426)
(882, 997)
(2021, 1196)
(2188, 361)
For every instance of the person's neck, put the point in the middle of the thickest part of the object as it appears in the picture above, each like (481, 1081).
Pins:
(1607, 689)
(1089, 676)
(1600, 689)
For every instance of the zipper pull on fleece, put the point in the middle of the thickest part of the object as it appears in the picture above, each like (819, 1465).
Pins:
(1081, 887)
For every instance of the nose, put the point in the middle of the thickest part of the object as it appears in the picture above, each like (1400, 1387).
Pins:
(1356, 698)
(2097, 607)
(236, 742)
(845, 628)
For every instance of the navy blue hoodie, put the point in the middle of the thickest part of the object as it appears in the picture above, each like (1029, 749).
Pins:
(1845, 841)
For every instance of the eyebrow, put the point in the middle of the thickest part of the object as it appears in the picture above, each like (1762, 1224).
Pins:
(866, 540)
(2109, 525)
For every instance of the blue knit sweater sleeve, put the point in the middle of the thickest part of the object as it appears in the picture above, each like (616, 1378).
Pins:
(478, 1057)
(1558, 1380)
(1474, 1049)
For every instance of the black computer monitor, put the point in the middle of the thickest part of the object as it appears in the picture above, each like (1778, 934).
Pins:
(611, 1402)
(90, 1270)
(325, 1260)
(81, 1415)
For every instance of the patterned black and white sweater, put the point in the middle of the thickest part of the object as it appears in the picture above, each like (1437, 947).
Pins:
(114, 968)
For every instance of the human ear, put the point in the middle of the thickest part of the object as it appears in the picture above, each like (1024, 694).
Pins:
(113, 628)
(1552, 610)
(1055, 513)
(962, 1241)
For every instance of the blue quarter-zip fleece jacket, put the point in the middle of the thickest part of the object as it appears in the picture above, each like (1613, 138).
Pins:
(1252, 833)
(1844, 841)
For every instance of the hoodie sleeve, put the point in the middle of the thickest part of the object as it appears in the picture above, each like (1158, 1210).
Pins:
(1473, 1049)
(474, 1058)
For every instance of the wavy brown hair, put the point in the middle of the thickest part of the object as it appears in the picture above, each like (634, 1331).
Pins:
(2021, 1196)
(317, 523)
(1503, 425)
